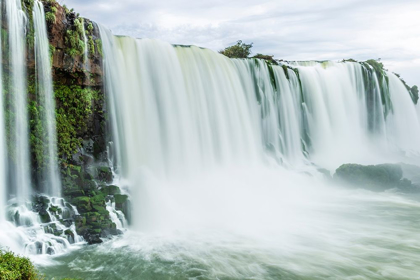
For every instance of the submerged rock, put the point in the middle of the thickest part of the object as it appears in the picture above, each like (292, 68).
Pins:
(375, 177)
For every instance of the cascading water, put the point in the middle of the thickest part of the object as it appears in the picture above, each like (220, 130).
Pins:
(19, 140)
(51, 179)
(3, 153)
(220, 158)
(216, 155)
(178, 111)
(86, 50)
(36, 224)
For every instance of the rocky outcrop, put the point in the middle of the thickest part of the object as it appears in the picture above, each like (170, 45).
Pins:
(375, 177)
(90, 195)
(76, 57)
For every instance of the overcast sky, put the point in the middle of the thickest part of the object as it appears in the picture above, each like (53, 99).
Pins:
(287, 29)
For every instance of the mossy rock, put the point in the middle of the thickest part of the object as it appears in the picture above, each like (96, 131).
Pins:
(110, 190)
(82, 203)
(92, 217)
(73, 192)
(120, 198)
(98, 199)
(376, 177)
(89, 186)
(101, 210)
(45, 217)
(104, 174)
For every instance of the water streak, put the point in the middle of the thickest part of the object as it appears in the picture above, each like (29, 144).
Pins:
(51, 179)
(19, 142)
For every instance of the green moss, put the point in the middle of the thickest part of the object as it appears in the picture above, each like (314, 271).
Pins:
(50, 17)
(372, 67)
(37, 133)
(349, 60)
(99, 46)
(74, 39)
(13, 267)
(74, 108)
(78, 24)
(91, 45)
(413, 91)
(90, 27)
(286, 71)
(120, 198)
(30, 32)
(268, 58)
(52, 52)
(272, 75)
(66, 10)
(110, 190)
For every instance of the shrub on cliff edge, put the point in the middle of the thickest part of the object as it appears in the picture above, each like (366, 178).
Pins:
(239, 50)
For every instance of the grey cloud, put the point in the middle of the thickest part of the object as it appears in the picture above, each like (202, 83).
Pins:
(299, 29)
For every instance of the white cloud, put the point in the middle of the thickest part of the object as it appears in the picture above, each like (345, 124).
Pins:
(298, 29)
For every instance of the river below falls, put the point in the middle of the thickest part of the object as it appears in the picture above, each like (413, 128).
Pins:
(343, 234)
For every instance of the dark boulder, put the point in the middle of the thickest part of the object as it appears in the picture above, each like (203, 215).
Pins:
(374, 177)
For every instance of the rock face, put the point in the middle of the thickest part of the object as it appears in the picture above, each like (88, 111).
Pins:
(76, 57)
(90, 195)
(375, 177)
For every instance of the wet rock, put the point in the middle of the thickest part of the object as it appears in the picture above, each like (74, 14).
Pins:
(110, 190)
(82, 203)
(104, 174)
(94, 238)
(374, 177)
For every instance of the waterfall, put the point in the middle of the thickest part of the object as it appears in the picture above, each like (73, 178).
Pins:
(19, 139)
(3, 154)
(86, 50)
(172, 113)
(45, 94)
(32, 224)
(179, 111)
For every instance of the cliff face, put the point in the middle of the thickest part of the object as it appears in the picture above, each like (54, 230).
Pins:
(76, 57)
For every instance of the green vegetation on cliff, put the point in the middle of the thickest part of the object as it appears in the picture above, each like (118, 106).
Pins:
(74, 108)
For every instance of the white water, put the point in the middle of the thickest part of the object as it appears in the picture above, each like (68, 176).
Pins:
(34, 237)
(20, 175)
(25, 231)
(51, 181)
(116, 216)
(3, 153)
(183, 113)
(86, 51)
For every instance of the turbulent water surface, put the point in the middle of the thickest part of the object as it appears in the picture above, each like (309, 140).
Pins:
(221, 160)
(264, 230)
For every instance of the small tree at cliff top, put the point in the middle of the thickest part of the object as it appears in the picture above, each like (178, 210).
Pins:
(239, 50)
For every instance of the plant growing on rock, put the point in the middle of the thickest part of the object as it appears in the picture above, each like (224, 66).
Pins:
(74, 107)
(239, 50)
(268, 58)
